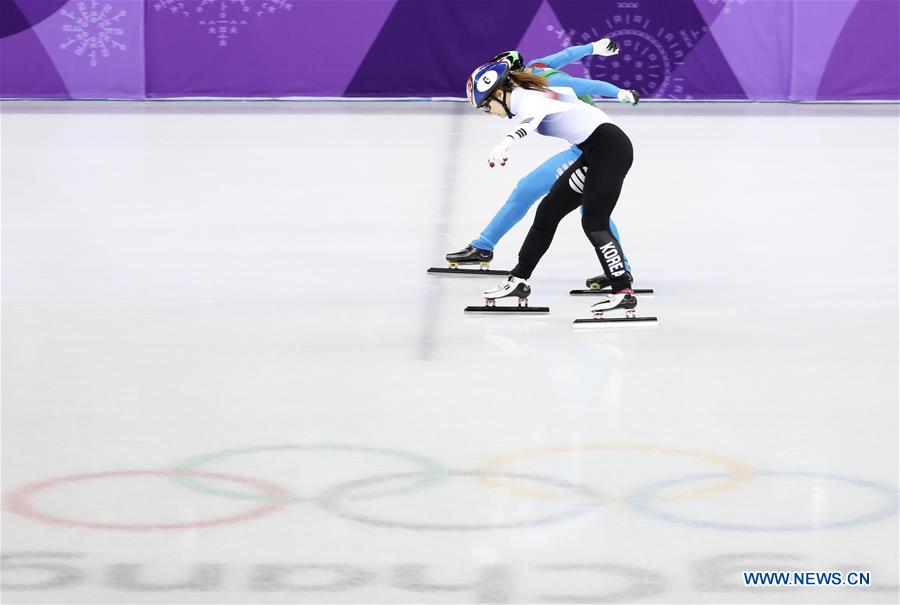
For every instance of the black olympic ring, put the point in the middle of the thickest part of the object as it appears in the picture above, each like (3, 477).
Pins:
(331, 498)
(335, 499)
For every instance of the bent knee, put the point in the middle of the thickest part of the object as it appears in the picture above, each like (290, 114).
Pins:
(533, 185)
(594, 222)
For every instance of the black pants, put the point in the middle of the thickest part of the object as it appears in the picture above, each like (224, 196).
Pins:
(593, 181)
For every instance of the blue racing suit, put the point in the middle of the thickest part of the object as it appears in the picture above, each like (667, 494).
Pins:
(537, 183)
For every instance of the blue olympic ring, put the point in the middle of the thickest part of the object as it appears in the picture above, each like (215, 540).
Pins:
(642, 498)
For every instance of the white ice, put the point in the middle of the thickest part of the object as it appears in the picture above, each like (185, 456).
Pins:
(183, 278)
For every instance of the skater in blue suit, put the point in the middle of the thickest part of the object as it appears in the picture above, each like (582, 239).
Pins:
(537, 183)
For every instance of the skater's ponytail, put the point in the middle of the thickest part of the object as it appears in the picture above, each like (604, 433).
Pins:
(526, 80)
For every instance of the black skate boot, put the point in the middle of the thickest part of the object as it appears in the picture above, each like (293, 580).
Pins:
(601, 282)
(470, 255)
(601, 285)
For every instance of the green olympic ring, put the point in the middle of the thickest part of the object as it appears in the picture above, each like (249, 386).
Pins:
(431, 471)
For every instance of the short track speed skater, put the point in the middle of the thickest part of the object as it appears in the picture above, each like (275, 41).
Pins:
(616, 302)
(511, 287)
(469, 256)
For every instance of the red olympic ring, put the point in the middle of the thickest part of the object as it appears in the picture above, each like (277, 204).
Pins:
(19, 502)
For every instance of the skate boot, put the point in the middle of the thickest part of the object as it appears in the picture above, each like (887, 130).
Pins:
(623, 299)
(601, 282)
(470, 255)
(601, 285)
(509, 287)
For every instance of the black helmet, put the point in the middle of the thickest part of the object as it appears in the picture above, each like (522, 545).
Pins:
(511, 57)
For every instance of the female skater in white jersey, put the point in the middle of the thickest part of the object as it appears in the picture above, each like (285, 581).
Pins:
(593, 181)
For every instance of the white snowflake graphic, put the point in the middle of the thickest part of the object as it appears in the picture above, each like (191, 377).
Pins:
(727, 4)
(223, 19)
(649, 57)
(94, 30)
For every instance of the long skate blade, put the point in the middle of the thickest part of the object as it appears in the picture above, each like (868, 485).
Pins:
(617, 322)
(511, 309)
(461, 272)
(644, 292)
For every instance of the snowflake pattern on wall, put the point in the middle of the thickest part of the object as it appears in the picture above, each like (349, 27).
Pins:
(649, 55)
(94, 30)
(727, 4)
(223, 19)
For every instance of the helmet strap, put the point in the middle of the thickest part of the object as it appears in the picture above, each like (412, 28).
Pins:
(502, 100)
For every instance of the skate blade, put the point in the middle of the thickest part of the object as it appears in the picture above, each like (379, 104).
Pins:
(507, 310)
(461, 272)
(642, 292)
(617, 322)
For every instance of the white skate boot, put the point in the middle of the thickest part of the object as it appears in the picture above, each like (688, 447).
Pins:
(623, 300)
(509, 287)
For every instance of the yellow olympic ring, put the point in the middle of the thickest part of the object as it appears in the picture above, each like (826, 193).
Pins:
(738, 472)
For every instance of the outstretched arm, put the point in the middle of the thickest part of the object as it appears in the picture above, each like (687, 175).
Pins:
(565, 56)
(604, 47)
(584, 86)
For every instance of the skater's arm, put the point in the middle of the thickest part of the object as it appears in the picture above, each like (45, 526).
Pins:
(565, 56)
(533, 107)
(582, 87)
(604, 47)
(585, 87)
(500, 152)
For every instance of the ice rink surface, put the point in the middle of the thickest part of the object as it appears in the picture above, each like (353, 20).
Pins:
(227, 377)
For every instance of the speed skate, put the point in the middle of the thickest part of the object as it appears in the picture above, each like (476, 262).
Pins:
(522, 307)
(511, 287)
(469, 256)
(455, 269)
(616, 303)
(601, 285)
(595, 291)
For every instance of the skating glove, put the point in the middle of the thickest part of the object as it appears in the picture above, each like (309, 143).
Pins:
(629, 96)
(605, 47)
(499, 154)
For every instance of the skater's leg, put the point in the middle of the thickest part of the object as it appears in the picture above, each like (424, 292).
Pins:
(609, 158)
(564, 197)
(529, 189)
(615, 234)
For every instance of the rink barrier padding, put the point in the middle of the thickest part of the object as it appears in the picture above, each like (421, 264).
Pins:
(694, 50)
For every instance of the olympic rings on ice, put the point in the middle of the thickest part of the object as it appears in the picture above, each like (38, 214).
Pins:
(643, 500)
(430, 471)
(648, 500)
(331, 501)
(20, 500)
(737, 474)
